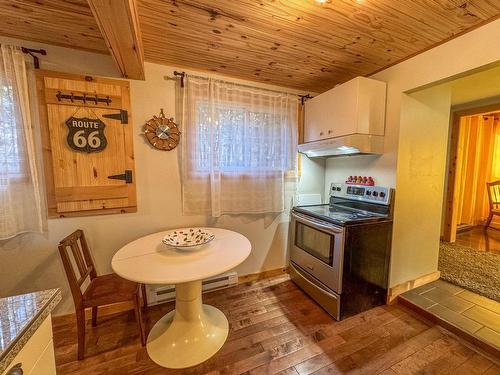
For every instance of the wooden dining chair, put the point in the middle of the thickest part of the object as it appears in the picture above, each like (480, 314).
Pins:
(494, 199)
(100, 290)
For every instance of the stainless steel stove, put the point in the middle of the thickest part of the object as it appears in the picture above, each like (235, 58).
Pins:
(340, 251)
(352, 204)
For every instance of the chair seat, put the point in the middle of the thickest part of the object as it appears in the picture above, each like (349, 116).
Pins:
(108, 289)
(495, 211)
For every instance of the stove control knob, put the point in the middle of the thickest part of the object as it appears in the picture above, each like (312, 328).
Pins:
(382, 194)
(375, 194)
(338, 188)
(368, 192)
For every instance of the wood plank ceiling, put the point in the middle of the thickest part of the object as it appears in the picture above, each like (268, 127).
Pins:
(293, 43)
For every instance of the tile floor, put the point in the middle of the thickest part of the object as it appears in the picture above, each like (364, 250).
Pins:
(471, 312)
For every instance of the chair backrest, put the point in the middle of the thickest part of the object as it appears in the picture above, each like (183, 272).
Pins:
(493, 193)
(77, 262)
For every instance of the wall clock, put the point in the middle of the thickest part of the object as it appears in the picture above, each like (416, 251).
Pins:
(162, 133)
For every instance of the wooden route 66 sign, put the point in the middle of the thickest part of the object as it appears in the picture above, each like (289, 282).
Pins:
(86, 134)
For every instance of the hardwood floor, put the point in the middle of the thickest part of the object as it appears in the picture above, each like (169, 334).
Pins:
(277, 329)
(478, 238)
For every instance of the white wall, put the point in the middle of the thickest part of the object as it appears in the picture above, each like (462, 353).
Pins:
(381, 167)
(312, 180)
(423, 146)
(449, 61)
(31, 262)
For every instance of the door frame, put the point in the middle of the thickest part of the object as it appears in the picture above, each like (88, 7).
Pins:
(450, 220)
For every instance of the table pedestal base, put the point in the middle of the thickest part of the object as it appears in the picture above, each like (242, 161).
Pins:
(190, 334)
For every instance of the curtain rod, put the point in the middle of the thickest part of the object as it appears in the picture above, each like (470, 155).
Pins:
(32, 52)
(182, 75)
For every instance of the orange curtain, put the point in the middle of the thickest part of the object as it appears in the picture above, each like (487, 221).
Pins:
(478, 162)
(495, 165)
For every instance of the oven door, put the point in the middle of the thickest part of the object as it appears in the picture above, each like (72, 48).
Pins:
(318, 248)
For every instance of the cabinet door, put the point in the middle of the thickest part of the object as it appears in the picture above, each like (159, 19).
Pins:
(332, 113)
(38, 347)
(314, 124)
(46, 364)
(89, 180)
(355, 107)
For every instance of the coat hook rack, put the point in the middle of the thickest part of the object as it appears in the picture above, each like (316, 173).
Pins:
(84, 98)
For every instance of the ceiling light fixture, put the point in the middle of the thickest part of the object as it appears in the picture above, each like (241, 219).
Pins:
(322, 1)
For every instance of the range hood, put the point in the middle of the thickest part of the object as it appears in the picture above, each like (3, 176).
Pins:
(354, 144)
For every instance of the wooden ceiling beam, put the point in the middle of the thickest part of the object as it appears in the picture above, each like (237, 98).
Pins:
(119, 24)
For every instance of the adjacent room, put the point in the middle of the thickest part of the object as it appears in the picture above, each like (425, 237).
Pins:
(469, 252)
(476, 177)
(238, 187)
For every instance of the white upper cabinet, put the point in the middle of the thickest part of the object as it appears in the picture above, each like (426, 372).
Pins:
(355, 107)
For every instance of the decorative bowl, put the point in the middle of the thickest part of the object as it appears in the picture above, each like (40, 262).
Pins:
(188, 238)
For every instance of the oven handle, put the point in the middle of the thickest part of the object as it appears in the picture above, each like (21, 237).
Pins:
(317, 224)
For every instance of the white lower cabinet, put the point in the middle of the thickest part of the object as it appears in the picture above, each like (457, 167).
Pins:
(37, 355)
(46, 363)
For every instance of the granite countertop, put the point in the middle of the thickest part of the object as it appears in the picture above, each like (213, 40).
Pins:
(20, 317)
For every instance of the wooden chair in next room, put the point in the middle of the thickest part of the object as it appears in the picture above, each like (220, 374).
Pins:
(101, 290)
(494, 199)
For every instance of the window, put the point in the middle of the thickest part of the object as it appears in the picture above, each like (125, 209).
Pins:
(10, 155)
(244, 140)
(21, 200)
(238, 144)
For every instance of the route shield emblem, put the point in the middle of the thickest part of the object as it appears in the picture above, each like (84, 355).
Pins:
(86, 134)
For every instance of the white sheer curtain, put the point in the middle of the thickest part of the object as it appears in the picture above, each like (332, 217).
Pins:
(238, 143)
(22, 204)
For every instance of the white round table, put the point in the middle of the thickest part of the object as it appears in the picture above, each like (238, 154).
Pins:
(193, 332)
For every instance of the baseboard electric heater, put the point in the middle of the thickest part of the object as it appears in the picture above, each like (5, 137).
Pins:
(165, 293)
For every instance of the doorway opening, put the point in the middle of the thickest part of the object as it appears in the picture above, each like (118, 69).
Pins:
(470, 251)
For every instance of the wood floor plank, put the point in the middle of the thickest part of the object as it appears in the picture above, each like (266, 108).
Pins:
(388, 372)
(341, 366)
(493, 370)
(441, 356)
(398, 353)
(276, 329)
(332, 355)
(379, 328)
(288, 371)
(475, 365)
